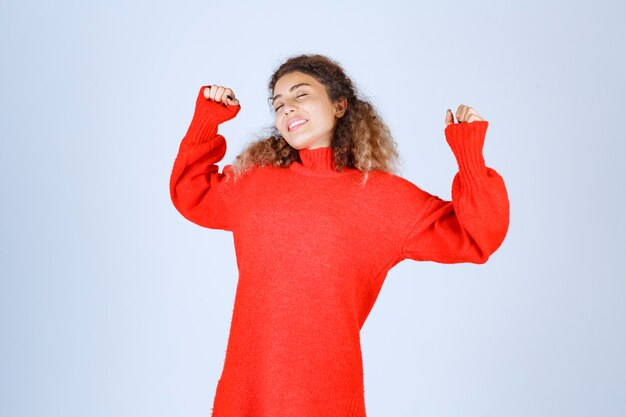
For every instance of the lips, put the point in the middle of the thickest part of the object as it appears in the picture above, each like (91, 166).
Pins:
(295, 119)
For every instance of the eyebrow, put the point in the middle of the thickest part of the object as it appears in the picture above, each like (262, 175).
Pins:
(290, 90)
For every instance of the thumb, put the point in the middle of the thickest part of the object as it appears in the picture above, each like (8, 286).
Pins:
(449, 117)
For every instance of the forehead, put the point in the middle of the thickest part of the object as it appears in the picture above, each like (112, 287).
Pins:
(288, 80)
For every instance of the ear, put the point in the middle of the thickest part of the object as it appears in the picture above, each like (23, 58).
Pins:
(341, 105)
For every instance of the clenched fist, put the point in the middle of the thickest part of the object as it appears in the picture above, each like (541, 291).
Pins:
(218, 101)
(464, 114)
(221, 94)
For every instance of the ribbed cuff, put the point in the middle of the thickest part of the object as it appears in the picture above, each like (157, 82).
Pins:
(466, 141)
(207, 117)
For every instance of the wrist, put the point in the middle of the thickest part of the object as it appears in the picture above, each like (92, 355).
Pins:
(208, 115)
(466, 141)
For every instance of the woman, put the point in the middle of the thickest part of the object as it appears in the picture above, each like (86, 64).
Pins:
(318, 218)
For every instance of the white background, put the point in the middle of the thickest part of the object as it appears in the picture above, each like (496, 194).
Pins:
(112, 304)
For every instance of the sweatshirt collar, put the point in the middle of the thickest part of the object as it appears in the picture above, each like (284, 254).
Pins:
(318, 159)
(319, 162)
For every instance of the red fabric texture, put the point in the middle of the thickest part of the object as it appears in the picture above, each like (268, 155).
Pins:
(313, 248)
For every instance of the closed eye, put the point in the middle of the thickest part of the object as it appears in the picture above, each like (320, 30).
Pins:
(278, 108)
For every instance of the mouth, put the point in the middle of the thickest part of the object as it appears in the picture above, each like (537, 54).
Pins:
(296, 124)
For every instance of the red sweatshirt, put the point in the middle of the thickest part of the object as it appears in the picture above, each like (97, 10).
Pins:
(313, 247)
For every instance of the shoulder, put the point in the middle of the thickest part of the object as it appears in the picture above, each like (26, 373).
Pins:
(254, 175)
(399, 192)
(392, 182)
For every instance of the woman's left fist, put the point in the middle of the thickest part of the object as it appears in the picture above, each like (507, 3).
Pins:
(464, 114)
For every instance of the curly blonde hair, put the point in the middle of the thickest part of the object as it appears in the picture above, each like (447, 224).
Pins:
(361, 139)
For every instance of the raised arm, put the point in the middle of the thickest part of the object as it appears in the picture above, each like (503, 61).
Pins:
(473, 225)
(197, 188)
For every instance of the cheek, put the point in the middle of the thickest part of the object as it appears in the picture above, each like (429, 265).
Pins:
(278, 124)
(325, 119)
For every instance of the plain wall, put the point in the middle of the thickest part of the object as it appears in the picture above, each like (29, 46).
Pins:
(112, 304)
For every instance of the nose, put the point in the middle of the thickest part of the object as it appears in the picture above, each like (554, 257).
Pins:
(288, 107)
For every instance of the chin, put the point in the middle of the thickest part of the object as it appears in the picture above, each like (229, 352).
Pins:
(298, 143)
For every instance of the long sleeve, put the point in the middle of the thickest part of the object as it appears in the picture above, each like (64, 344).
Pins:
(473, 225)
(198, 190)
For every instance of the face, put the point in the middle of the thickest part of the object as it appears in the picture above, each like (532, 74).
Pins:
(299, 96)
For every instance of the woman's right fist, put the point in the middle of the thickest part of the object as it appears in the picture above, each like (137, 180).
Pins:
(216, 102)
(221, 94)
